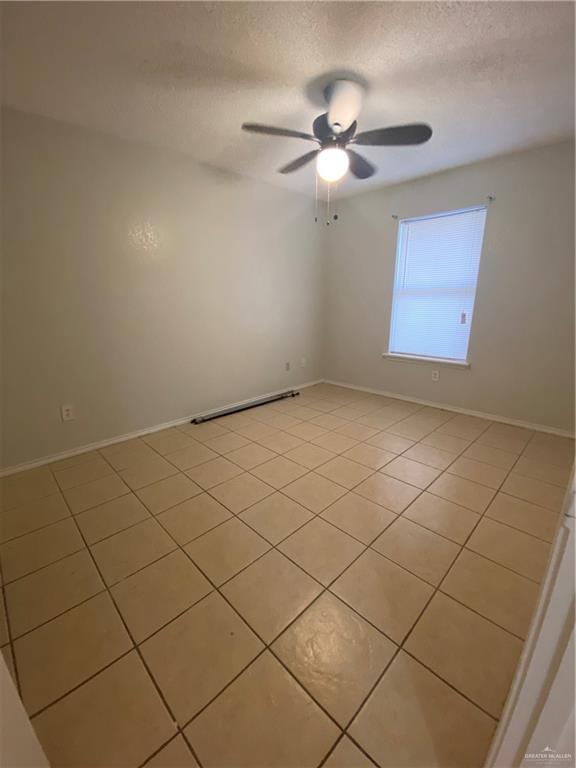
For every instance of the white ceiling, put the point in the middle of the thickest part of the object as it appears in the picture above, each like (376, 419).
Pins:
(489, 77)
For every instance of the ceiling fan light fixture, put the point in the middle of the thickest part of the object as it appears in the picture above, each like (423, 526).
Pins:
(332, 163)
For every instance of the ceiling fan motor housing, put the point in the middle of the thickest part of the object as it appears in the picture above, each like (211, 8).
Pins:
(344, 98)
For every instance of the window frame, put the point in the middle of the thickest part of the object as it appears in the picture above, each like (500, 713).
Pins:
(409, 357)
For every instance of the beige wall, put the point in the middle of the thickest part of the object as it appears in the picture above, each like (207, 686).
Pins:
(142, 287)
(522, 339)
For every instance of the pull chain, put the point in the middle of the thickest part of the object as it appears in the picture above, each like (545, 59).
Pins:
(328, 201)
(335, 217)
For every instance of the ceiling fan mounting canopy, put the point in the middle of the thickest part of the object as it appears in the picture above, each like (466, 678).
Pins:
(336, 129)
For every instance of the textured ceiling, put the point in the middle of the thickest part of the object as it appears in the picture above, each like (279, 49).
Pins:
(488, 77)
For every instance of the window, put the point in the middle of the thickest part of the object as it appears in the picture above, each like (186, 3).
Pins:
(437, 262)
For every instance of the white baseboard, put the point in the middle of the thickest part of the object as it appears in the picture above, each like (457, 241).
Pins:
(185, 420)
(140, 432)
(465, 411)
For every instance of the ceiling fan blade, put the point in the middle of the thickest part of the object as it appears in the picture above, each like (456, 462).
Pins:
(321, 129)
(359, 166)
(398, 135)
(271, 131)
(299, 162)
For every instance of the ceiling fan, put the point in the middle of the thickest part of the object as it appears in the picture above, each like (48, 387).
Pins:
(335, 130)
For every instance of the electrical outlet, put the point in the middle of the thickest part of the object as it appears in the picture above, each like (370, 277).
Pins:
(67, 412)
(435, 375)
(287, 366)
(303, 362)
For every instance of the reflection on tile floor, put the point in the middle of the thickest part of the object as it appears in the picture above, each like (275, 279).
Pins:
(340, 579)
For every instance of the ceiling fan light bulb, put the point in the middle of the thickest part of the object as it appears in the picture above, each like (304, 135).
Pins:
(332, 164)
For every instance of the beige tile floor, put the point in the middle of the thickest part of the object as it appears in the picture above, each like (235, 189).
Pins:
(339, 579)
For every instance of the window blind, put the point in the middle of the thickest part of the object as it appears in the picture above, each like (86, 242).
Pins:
(437, 263)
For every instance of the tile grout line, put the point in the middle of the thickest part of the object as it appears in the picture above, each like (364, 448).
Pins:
(332, 749)
(401, 645)
(155, 516)
(152, 516)
(438, 587)
(236, 515)
(267, 646)
(62, 613)
(316, 514)
(285, 629)
(10, 643)
(379, 470)
(130, 636)
(437, 590)
(223, 455)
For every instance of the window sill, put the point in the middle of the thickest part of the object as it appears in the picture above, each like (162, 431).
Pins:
(418, 359)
